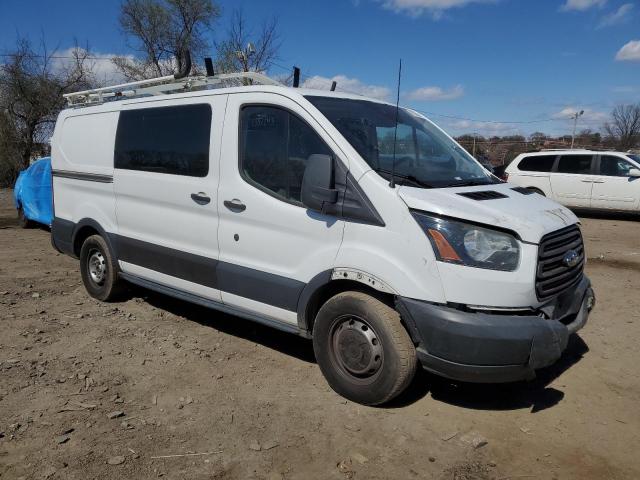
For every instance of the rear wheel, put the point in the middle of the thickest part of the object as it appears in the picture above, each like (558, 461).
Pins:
(99, 270)
(362, 348)
(23, 221)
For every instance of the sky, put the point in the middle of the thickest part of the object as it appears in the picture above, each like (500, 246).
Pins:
(501, 67)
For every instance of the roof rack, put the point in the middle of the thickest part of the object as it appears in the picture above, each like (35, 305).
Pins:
(164, 86)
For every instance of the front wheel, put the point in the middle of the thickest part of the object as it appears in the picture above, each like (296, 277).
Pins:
(99, 270)
(362, 348)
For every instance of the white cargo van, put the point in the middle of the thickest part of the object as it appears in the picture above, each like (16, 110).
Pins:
(296, 208)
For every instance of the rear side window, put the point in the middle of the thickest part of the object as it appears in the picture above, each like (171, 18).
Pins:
(575, 164)
(171, 140)
(537, 163)
(614, 166)
(275, 146)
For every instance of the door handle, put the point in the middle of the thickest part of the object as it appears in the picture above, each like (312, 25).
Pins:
(235, 205)
(598, 181)
(200, 198)
(587, 181)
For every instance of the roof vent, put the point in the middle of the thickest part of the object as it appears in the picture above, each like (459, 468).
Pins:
(483, 195)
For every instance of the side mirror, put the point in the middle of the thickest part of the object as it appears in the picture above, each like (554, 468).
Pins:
(634, 172)
(318, 184)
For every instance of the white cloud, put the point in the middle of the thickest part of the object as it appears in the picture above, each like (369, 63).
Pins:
(101, 64)
(621, 15)
(588, 118)
(434, 94)
(483, 128)
(435, 7)
(629, 52)
(582, 5)
(348, 85)
(626, 89)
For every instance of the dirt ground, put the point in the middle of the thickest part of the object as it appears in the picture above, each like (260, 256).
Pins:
(230, 399)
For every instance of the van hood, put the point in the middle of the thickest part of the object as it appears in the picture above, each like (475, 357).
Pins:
(529, 215)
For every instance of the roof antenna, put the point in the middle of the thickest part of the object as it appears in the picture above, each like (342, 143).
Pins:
(392, 183)
(208, 65)
(296, 77)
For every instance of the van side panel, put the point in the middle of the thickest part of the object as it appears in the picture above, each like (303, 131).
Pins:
(165, 181)
(85, 143)
(82, 168)
(398, 254)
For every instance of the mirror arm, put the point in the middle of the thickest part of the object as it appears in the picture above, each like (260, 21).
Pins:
(326, 195)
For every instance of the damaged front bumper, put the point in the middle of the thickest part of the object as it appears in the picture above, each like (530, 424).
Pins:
(475, 346)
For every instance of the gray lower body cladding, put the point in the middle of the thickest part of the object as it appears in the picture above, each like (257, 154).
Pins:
(275, 290)
(489, 347)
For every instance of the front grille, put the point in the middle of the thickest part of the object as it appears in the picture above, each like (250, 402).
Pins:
(553, 276)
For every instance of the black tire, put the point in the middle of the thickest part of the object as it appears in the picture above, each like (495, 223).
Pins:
(99, 270)
(23, 221)
(350, 331)
(536, 190)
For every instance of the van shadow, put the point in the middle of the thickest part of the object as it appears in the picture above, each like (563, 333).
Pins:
(284, 342)
(536, 394)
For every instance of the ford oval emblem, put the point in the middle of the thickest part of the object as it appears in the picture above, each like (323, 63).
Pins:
(571, 258)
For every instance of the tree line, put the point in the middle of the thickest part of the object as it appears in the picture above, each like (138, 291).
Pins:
(621, 133)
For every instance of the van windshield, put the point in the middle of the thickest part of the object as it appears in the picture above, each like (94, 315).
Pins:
(424, 156)
(633, 156)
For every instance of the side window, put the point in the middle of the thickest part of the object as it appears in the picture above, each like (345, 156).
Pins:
(614, 166)
(575, 164)
(537, 163)
(171, 140)
(275, 146)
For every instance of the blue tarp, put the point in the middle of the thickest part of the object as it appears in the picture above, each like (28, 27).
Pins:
(32, 192)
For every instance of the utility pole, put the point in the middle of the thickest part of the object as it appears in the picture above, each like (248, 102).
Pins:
(575, 117)
(474, 145)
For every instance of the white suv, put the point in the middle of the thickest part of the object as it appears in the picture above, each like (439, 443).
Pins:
(296, 208)
(581, 178)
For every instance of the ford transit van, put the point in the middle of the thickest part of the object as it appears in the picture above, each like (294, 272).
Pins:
(328, 215)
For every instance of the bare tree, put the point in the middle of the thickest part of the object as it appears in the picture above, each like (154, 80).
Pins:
(32, 83)
(538, 138)
(9, 150)
(244, 50)
(625, 126)
(162, 31)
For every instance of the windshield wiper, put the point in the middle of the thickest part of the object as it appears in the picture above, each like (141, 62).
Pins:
(471, 183)
(409, 178)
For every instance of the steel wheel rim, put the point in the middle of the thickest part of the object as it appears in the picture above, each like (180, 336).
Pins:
(97, 267)
(355, 349)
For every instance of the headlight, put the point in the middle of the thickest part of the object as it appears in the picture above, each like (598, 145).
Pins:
(471, 245)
